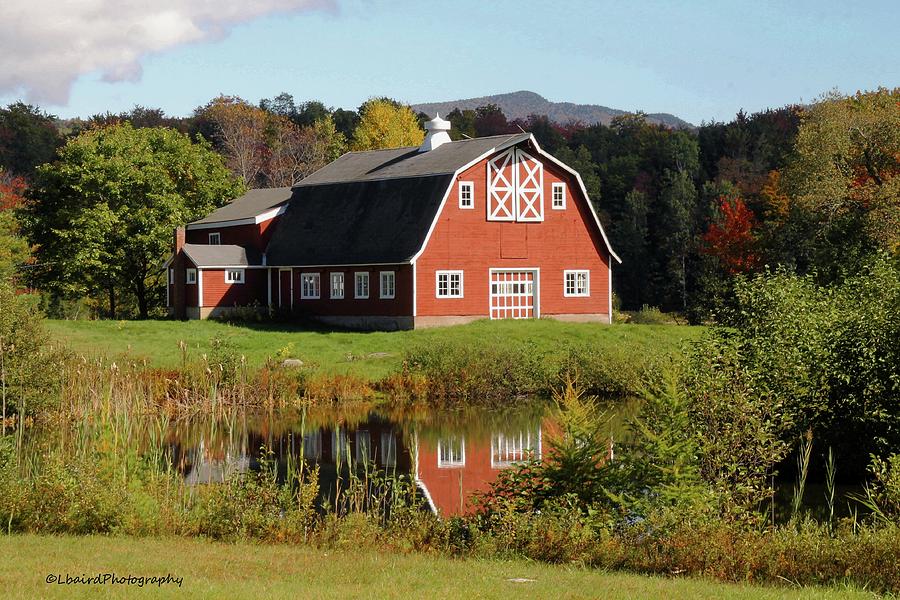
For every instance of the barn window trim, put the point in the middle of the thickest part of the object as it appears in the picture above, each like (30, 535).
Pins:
(576, 283)
(337, 286)
(310, 286)
(190, 276)
(444, 284)
(234, 275)
(215, 239)
(467, 195)
(558, 202)
(387, 285)
(361, 285)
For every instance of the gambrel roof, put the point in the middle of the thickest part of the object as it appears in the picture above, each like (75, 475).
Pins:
(380, 206)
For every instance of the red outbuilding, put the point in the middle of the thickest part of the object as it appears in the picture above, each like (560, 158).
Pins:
(448, 232)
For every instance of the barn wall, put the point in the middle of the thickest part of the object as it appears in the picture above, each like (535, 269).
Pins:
(400, 305)
(464, 239)
(250, 236)
(218, 293)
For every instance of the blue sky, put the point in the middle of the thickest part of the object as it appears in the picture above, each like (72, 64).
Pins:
(697, 60)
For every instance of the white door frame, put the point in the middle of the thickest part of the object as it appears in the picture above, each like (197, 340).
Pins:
(537, 287)
(291, 279)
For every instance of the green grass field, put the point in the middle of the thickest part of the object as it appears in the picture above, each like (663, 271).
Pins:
(371, 354)
(216, 570)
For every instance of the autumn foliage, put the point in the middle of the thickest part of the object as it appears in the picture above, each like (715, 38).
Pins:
(12, 190)
(731, 239)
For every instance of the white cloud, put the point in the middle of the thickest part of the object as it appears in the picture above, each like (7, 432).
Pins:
(45, 45)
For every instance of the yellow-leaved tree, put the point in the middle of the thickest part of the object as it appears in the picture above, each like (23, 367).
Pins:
(385, 123)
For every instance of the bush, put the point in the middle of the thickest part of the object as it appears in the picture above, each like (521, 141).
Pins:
(649, 315)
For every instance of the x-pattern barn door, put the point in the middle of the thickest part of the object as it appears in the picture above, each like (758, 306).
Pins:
(530, 188)
(501, 173)
(515, 189)
(513, 294)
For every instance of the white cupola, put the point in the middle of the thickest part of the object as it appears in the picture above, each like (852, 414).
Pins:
(436, 135)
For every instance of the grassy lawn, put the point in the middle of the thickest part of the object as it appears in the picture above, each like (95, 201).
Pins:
(214, 570)
(369, 354)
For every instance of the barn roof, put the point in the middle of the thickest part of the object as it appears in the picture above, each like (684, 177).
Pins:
(357, 222)
(250, 205)
(396, 163)
(225, 255)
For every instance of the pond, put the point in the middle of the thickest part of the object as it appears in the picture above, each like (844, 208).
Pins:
(449, 455)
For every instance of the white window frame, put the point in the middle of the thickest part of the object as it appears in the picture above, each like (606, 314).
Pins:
(359, 276)
(448, 293)
(234, 276)
(215, 236)
(310, 286)
(574, 273)
(171, 276)
(190, 276)
(467, 203)
(446, 459)
(561, 187)
(337, 276)
(392, 285)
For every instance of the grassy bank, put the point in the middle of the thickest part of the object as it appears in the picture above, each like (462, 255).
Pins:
(372, 355)
(215, 570)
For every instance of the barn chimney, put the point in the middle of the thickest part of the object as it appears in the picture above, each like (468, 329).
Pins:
(179, 240)
(437, 129)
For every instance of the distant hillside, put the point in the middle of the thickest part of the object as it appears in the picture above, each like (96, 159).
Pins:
(518, 105)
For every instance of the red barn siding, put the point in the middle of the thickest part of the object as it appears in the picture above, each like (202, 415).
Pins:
(399, 306)
(463, 239)
(251, 236)
(218, 293)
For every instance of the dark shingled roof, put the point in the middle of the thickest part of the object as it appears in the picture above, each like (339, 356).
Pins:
(251, 204)
(225, 255)
(374, 165)
(357, 222)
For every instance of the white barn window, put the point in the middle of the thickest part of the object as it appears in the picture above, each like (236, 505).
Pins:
(558, 190)
(451, 453)
(577, 283)
(466, 194)
(309, 286)
(190, 276)
(337, 286)
(234, 275)
(388, 285)
(215, 239)
(362, 285)
(449, 284)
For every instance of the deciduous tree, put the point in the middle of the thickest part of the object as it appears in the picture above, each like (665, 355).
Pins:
(102, 216)
(386, 124)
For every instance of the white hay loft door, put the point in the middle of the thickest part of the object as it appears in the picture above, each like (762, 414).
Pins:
(515, 187)
(514, 293)
(501, 174)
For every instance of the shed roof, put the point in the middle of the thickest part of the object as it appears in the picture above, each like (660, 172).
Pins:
(248, 206)
(225, 255)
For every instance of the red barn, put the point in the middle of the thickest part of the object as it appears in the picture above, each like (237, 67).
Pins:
(444, 233)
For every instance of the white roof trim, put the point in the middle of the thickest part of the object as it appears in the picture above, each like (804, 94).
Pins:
(583, 191)
(456, 174)
(269, 214)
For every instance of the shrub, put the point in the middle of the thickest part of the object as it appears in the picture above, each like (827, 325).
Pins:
(649, 315)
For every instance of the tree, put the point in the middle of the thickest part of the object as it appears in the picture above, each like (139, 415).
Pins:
(462, 123)
(240, 132)
(28, 138)
(102, 216)
(295, 152)
(846, 166)
(385, 123)
(490, 120)
(731, 238)
(14, 249)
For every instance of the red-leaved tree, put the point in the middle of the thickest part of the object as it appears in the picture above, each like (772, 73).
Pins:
(730, 238)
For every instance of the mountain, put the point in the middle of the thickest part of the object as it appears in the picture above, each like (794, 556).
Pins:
(518, 105)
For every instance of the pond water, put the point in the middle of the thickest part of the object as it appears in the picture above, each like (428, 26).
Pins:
(449, 455)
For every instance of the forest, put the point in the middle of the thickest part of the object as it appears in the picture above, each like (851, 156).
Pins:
(87, 206)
